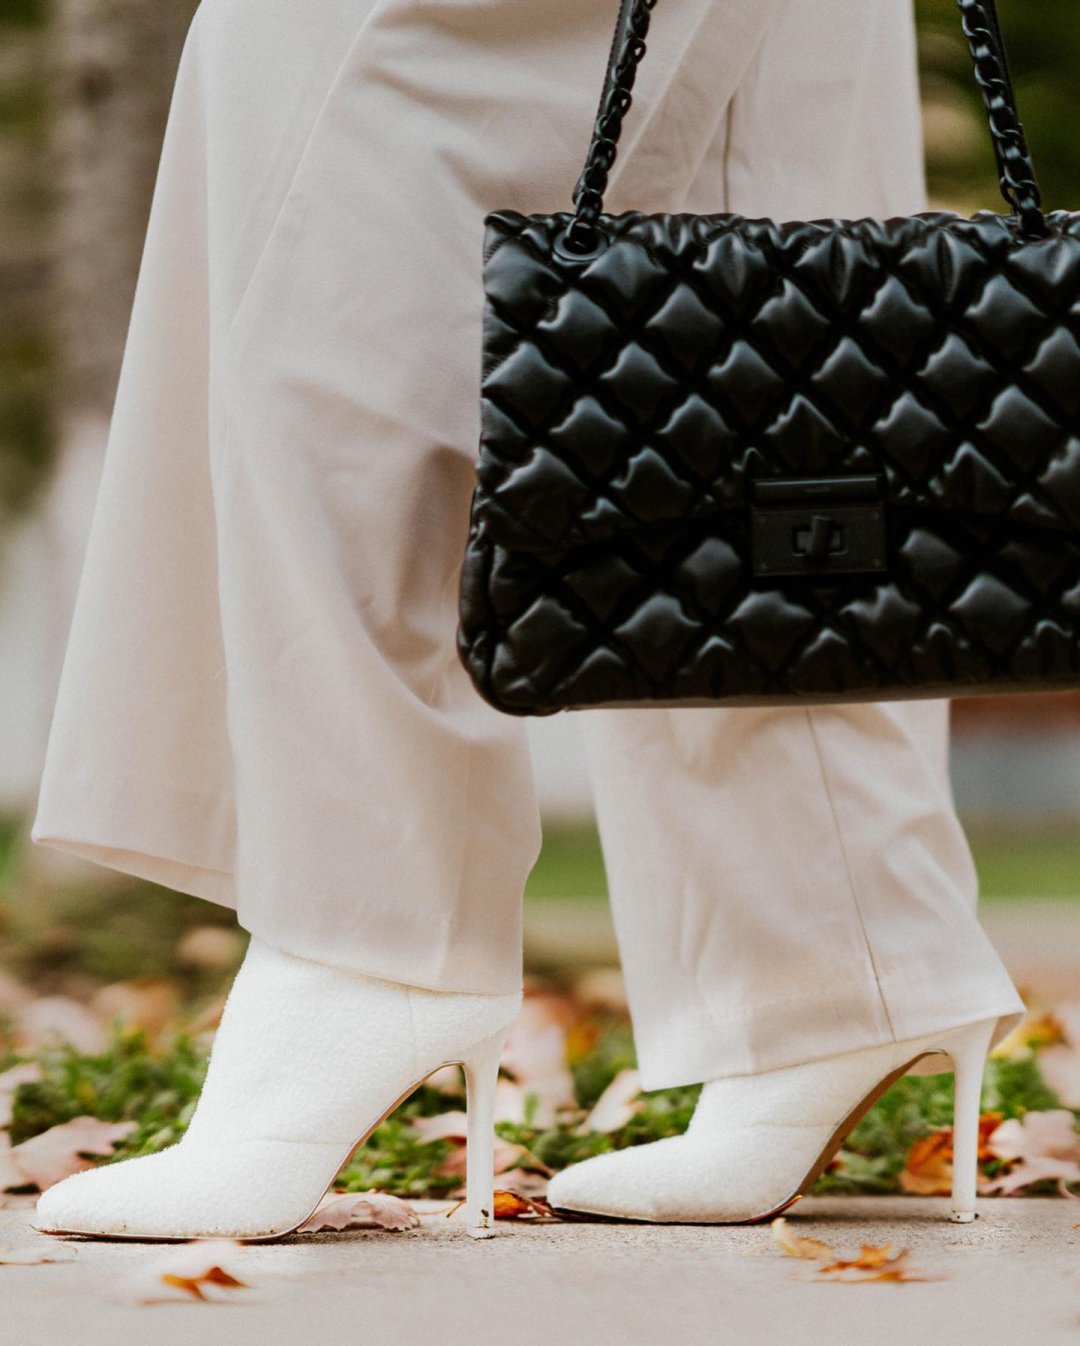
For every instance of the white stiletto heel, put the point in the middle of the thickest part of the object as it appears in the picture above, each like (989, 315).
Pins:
(968, 1047)
(481, 1078)
(758, 1142)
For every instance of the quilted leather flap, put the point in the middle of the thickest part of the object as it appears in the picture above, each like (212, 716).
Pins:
(652, 384)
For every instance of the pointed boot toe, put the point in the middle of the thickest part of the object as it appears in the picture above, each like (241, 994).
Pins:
(633, 1184)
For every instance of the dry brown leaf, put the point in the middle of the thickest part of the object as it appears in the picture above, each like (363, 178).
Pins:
(616, 1105)
(63, 1149)
(874, 1263)
(871, 1258)
(513, 1206)
(928, 1168)
(186, 1272)
(796, 1245)
(360, 1210)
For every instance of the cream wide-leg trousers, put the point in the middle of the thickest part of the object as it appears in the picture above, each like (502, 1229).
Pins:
(261, 701)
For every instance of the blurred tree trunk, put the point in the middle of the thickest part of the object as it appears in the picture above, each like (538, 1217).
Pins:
(114, 62)
(110, 69)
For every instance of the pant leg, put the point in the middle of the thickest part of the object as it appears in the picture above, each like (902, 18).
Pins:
(791, 883)
(261, 700)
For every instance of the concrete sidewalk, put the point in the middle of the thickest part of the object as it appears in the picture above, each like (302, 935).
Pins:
(1010, 1279)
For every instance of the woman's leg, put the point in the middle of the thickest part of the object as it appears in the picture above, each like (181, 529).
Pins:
(791, 883)
(275, 555)
(261, 700)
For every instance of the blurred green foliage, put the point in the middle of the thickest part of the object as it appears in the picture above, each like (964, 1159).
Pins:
(1043, 43)
(27, 435)
(24, 13)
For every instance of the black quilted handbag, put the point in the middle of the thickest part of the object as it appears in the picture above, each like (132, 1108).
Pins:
(743, 462)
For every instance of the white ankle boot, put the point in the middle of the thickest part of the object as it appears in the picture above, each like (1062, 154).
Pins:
(757, 1142)
(306, 1063)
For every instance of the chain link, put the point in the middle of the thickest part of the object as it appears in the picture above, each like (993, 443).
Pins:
(983, 33)
(1016, 173)
(614, 105)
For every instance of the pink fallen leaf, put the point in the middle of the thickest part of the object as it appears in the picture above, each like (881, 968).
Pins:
(1060, 1061)
(13, 996)
(443, 1126)
(11, 1174)
(1060, 1067)
(511, 1102)
(149, 1003)
(26, 1072)
(453, 1126)
(59, 1017)
(1025, 1172)
(1049, 1134)
(616, 1105)
(508, 1156)
(208, 946)
(1039, 1147)
(535, 1055)
(360, 1210)
(446, 1080)
(204, 1269)
(64, 1149)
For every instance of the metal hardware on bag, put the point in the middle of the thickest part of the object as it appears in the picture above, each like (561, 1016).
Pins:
(565, 253)
(817, 525)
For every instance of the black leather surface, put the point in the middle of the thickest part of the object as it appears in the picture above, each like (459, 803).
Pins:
(629, 403)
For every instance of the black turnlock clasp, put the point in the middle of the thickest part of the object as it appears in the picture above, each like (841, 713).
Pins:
(817, 525)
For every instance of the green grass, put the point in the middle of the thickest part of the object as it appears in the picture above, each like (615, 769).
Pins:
(1036, 865)
(570, 864)
(1010, 865)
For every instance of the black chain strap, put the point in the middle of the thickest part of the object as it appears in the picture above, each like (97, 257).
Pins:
(1016, 173)
(983, 32)
(627, 49)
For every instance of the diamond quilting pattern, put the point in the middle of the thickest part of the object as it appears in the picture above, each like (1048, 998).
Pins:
(630, 403)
